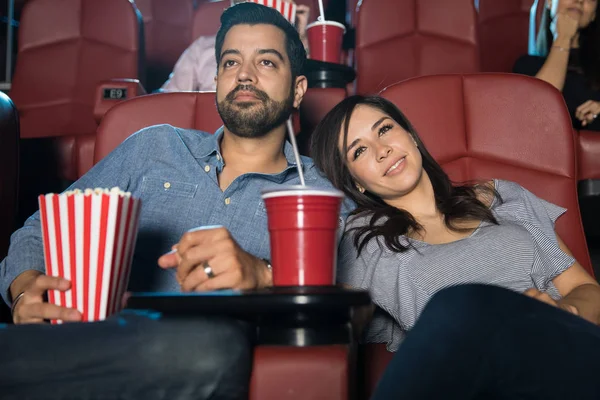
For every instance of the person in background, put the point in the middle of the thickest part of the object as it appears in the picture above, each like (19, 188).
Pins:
(415, 234)
(195, 70)
(568, 57)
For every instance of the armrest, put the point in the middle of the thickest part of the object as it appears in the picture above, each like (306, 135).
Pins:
(113, 91)
(315, 372)
(589, 155)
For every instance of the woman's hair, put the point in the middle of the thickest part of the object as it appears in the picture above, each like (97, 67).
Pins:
(457, 203)
(589, 47)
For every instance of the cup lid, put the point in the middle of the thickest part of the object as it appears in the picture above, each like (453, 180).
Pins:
(298, 190)
(333, 23)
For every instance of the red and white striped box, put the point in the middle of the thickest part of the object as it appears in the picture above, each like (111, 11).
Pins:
(89, 239)
(286, 8)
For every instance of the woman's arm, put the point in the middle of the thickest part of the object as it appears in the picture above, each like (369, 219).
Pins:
(554, 70)
(578, 289)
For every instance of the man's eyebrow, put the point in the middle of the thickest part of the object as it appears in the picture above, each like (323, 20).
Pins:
(230, 51)
(272, 51)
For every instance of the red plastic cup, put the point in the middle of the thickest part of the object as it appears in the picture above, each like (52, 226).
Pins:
(302, 226)
(325, 41)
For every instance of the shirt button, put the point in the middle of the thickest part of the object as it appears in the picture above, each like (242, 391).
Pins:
(207, 168)
(167, 185)
(228, 201)
(218, 157)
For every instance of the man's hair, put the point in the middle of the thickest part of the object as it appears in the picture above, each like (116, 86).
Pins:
(254, 14)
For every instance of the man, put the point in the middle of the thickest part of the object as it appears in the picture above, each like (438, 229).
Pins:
(185, 179)
(195, 69)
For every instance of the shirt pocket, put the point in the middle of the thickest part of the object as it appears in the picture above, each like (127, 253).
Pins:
(166, 206)
(167, 187)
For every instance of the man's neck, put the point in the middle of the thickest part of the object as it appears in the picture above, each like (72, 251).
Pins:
(262, 155)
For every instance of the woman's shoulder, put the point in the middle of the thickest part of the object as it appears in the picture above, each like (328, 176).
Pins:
(528, 64)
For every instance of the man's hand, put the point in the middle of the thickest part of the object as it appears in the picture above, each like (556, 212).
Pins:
(544, 298)
(32, 309)
(588, 112)
(232, 267)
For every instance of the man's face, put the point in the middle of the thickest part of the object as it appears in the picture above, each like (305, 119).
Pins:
(255, 92)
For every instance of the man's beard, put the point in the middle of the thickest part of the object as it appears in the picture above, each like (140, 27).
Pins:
(254, 119)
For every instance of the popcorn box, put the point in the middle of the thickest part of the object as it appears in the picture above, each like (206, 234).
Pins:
(287, 9)
(89, 238)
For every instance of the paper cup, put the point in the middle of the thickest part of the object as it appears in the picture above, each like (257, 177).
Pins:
(89, 238)
(325, 41)
(303, 223)
(286, 8)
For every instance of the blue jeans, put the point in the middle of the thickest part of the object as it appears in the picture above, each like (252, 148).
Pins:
(484, 342)
(130, 356)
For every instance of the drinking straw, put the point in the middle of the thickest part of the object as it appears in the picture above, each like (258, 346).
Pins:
(322, 12)
(290, 128)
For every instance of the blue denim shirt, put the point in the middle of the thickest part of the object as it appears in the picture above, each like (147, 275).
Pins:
(189, 162)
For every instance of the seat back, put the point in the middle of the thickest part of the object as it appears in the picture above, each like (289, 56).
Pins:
(503, 126)
(207, 18)
(9, 170)
(401, 39)
(494, 126)
(317, 102)
(503, 33)
(65, 48)
(190, 110)
(167, 33)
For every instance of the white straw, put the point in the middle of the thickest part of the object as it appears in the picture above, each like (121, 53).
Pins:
(321, 10)
(296, 152)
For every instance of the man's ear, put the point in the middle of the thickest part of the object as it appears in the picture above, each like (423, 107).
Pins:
(300, 87)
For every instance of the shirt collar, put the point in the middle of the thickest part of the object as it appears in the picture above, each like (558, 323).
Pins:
(211, 145)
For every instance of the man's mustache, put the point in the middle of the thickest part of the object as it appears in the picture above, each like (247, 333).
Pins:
(260, 95)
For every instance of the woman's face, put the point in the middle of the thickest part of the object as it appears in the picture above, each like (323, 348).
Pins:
(382, 157)
(583, 11)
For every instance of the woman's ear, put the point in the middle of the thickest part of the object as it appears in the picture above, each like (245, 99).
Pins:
(359, 187)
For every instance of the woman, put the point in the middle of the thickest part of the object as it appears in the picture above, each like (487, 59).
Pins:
(568, 57)
(415, 233)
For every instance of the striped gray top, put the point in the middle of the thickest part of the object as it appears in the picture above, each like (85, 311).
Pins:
(520, 253)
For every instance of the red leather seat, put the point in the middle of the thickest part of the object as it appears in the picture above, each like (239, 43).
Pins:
(589, 155)
(279, 373)
(317, 102)
(401, 39)
(503, 33)
(167, 33)
(500, 126)
(207, 18)
(65, 48)
(494, 126)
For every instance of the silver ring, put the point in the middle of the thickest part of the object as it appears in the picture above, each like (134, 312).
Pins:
(208, 271)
